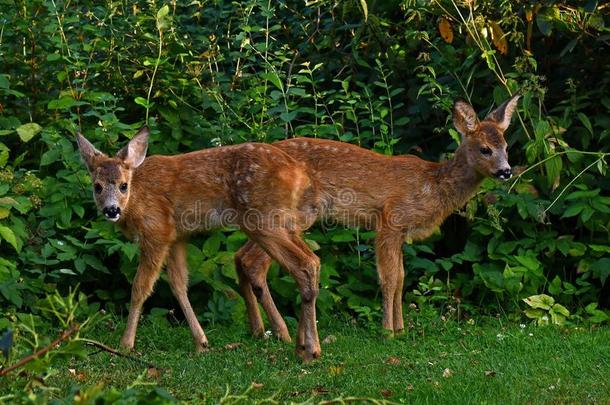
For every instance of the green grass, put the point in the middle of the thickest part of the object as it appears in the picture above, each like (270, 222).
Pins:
(435, 362)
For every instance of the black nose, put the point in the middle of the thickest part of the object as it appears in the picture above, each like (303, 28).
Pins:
(504, 174)
(112, 211)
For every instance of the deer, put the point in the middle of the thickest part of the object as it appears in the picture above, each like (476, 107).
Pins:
(400, 197)
(160, 201)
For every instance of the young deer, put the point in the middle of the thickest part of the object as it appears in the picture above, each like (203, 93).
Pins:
(400, 197)
(160, 200)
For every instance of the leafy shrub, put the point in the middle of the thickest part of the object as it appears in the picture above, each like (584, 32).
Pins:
(379, 74)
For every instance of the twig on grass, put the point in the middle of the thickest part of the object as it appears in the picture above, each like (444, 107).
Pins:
(115, 352)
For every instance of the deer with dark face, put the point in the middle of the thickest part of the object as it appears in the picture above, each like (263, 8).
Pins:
(400, 197)
(160, 201)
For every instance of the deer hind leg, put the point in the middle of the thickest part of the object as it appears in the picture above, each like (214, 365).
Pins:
(388, 247)
(398, 316)
(304, 266)
(254, 316)
(151, 260)
(177, 272)
(254, 265)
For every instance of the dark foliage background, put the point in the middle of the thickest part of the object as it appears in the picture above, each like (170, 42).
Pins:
(381, 74)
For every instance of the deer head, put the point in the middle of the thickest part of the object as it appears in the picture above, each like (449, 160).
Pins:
(111, 176)
(483, 141)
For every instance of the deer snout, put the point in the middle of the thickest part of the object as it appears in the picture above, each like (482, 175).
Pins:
(504, 174)
(112, 212)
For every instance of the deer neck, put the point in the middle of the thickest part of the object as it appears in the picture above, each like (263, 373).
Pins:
(458, 181)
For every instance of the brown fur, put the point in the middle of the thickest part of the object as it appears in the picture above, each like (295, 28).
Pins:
(257, 187)
(399, 197)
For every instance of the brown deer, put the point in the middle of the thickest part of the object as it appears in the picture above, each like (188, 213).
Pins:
(160, 200)
(400, 197)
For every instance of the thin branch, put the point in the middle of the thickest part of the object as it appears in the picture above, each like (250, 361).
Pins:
(63, 337)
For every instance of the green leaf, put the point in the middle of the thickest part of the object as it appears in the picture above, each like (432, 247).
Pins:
(141, 101)
(7, 234)
(273, 78)
(63, 103)
(601, 268)
(529, 262)
(52, 57)
(288, 116)
(11, 293)
(211, 246)
(343, 235)
(557, 318)
(4, 154)
(560, 309)
(365, 9)
(49, 157)
(573, 210)
(4, 82)
(541, 301)
(553, 171)
(542, 129)
(163, 11)
(585, 121)
(28, 131)
(534, 313)
(544, 20)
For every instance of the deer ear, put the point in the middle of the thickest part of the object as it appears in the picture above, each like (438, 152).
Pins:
(88, 152)
(134, 153)
(464, 117)
(502, 115)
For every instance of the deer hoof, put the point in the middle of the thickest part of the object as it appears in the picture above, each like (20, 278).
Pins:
(387, 334)
(284, 336)
(306, 355)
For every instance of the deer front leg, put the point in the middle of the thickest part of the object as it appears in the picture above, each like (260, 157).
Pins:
(388, 249)
(151, 260)
(178, 281)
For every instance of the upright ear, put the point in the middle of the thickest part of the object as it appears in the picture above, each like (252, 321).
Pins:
(134, 153)
(502, 115)
(464, 117)
(87, 151)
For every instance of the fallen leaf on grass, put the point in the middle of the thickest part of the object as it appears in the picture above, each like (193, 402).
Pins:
(335, 370)
(393, 360)
(329, 339)
(490, 373)
(232, 346)
(385, 393)
(153, 372)
(447, 373)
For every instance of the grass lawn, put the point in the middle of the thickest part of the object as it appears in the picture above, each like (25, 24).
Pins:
(435, 362)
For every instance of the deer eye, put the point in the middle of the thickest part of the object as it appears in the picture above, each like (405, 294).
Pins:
(485, 151)
(98, 188)
(123, 187)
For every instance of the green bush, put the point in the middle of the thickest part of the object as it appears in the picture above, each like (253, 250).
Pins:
(381, 74)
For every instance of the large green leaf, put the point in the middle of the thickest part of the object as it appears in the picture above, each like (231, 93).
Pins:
(541, 301)
(28, 131)
(7, 234)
